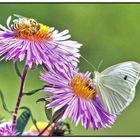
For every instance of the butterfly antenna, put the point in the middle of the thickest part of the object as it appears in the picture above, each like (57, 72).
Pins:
(88, 62)
(99, 65)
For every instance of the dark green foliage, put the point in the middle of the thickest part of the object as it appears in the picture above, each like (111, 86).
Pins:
(32, 92)
(48, 112)
(4, 104)
(58, 114)
(22, 121)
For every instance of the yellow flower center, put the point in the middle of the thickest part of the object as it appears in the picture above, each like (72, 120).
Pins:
(38, 33)
(82, 87)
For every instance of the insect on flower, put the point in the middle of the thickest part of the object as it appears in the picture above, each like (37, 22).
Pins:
(26, 38)
(77, 91)
(25, 26)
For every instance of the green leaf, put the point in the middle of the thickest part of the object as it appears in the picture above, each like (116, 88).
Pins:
(58, 114)
(32, 118)
(29, 93)
(4, 104)
(34, 122)
(41, 100)
(22, 121)
(48, 112)
(32, 92)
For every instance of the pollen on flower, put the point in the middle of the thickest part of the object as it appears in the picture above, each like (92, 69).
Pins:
(82, 87)
(35, 33)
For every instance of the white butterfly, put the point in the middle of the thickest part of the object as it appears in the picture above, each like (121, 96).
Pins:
(116, 85)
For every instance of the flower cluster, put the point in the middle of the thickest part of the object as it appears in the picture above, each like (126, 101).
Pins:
(26, 39)
(77, 91)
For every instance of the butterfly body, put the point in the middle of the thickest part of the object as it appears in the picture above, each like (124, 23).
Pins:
(116, 85)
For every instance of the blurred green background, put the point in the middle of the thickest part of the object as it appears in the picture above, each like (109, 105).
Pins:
(108, 32)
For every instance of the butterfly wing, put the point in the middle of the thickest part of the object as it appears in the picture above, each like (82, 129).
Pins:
(116, 85)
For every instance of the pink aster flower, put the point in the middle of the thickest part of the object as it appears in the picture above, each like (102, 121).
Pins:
(25, 38)
(6, 129)
(76, 90)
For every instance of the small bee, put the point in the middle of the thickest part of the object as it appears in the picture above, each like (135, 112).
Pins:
(89, 85)
(25, 25)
